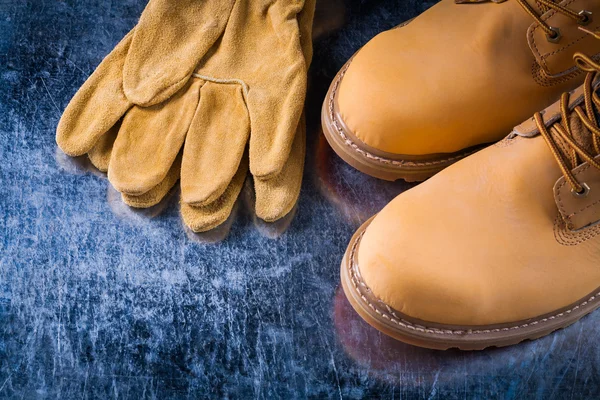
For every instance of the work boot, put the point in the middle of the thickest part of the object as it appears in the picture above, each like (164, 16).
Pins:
(417, 98)
(500, 247)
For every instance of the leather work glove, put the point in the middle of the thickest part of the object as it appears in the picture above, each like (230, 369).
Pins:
(200, 91)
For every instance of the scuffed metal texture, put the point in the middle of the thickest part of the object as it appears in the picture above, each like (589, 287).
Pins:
(99, 301)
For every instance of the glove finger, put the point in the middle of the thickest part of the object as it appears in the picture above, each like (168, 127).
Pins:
(97, 106)
(274, 125)
(149, 141)
(275, 114)
(156, 194)
(205, 218)
(99, 155)
(215, 143)
(277, 196)
(169, 41)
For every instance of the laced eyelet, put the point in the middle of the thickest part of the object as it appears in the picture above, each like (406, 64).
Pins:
(583, 193)
(555, 36)
(586, 17)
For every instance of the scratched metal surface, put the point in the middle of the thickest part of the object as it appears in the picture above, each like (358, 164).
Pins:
(99, 301)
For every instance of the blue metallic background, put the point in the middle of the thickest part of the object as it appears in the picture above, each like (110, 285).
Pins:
(99, 301)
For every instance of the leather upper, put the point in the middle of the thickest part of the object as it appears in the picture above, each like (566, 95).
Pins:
(483, 242)
(460, 75)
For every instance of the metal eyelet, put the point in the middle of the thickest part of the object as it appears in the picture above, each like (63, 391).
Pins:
(554, 38)
(584, 193)
(587, 17)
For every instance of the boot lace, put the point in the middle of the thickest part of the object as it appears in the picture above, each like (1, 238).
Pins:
(586, 115)
(553, 33)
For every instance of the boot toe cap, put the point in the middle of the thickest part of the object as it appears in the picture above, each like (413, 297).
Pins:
(416, 281)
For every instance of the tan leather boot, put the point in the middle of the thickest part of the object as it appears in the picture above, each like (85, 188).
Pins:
(500, 247)
(417, 98)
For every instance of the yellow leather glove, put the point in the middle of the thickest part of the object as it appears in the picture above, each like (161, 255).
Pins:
(149, 119)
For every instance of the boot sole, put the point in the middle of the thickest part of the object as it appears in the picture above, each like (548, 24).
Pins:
(373, 162)
(441, 336)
